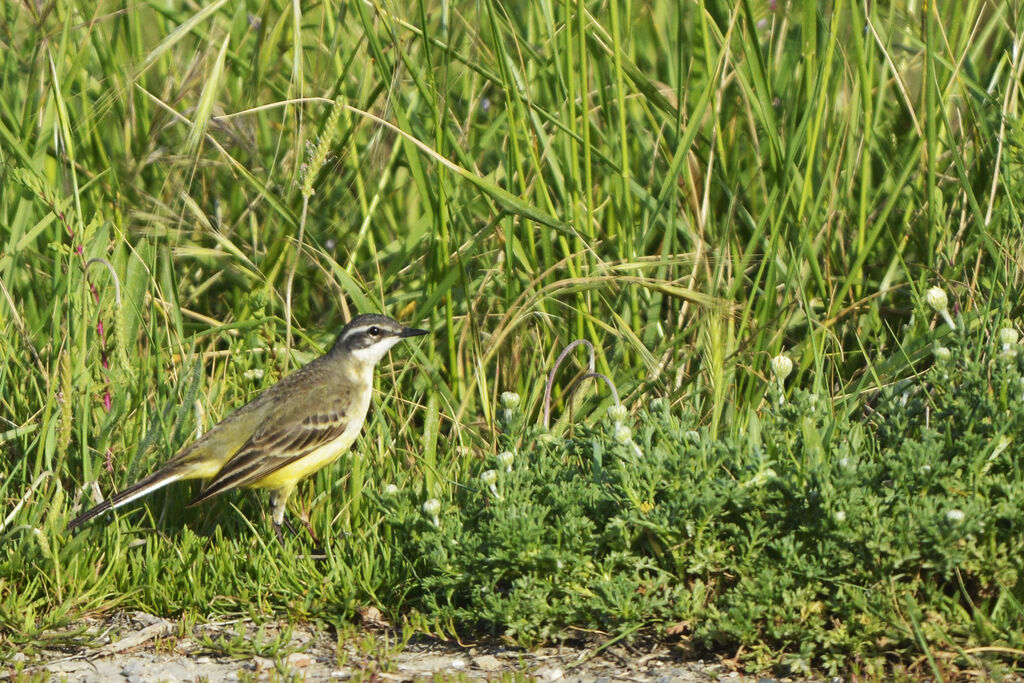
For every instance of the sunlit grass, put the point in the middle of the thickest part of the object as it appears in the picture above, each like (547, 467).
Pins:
(691, 187)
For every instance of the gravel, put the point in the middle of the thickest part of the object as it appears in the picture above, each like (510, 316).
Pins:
(142, 648)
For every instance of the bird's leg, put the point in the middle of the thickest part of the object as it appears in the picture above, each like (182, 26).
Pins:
(280, 536)
(277, 507)
(278, 500)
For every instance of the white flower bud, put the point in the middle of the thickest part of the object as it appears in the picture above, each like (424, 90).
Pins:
(955, 515)
(617, 412)
(505, 459)
(782, 365)
(622, 434)
(490, 478)
(390, 490)
(432, 508)
(1008, 337)
(942, 353)
(936, 299)
(509, 400)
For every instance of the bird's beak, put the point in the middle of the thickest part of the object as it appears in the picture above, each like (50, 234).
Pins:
(411, 332)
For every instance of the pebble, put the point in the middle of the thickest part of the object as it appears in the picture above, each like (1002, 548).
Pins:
(487, 663)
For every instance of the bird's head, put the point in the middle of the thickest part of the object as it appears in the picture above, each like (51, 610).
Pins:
(368, 337)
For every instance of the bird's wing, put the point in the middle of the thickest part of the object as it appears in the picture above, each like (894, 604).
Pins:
(205, 456)
(277, 444)
(201, 459)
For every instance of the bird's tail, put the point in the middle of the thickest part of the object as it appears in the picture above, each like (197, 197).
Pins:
(158, 479)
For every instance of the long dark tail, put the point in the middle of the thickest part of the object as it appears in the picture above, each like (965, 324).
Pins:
(158, 479)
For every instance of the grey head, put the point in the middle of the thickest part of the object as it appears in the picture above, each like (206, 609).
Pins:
(368, 337)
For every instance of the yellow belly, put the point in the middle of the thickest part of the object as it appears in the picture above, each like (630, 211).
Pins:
(288, 476)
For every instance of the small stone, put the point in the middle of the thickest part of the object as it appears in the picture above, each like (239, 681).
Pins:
(134, 671)
(487, 663)
(145, 618)
(299, 660)
(372, 617)
(549, 674)
(263, 663)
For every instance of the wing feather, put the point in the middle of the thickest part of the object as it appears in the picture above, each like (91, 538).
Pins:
(273, 447)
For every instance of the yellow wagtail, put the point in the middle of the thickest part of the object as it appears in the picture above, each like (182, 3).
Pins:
(291, 430)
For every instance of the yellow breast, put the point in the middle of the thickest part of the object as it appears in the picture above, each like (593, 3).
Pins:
(288, 476)
(314, 461)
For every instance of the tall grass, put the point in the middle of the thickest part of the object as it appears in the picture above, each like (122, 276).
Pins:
(691, 186)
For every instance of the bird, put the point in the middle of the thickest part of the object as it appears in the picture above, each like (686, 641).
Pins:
(294, 428)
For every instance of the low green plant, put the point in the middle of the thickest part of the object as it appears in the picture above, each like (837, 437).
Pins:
(245, 643)
(813, 540)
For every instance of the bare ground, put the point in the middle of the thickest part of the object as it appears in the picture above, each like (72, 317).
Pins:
(139, 647)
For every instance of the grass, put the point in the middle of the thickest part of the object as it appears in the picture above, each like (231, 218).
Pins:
(193, 201)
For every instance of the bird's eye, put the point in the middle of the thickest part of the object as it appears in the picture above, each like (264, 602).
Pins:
(374, 331)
